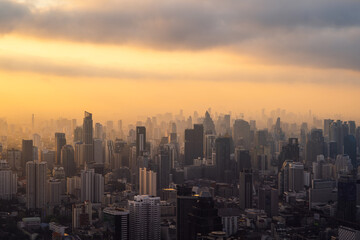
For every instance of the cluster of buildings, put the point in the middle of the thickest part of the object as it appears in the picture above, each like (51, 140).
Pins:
(181, 178)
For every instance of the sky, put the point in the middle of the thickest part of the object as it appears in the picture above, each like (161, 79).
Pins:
(121, 59)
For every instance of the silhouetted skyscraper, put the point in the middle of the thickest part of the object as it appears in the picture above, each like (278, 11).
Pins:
(242, 159)
(68, 160)
(314, 146)
(184, 202)
(26, 153)
(60, 141)
(241, 133)
(36, 173)
(88, 149)
(346, 207)
(350, 149)
(222, 146)
(140, 140)
(268, 200)
(246, 189)
(194, 144)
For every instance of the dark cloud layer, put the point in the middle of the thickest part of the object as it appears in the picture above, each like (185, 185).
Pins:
(323, 33)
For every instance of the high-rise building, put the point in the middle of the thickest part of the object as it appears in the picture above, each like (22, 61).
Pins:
(144, 218)
(194, 144)
(26, 153)
(246, 189)
(48, 156)
(14, 159)
(208, 123)
(116, 223)
(350, 149)
(81, 215)
(98, 131)
(54, 192)
(164, 167)
(203, 217)
(268, 200)
(8, 181)
(88, 150)
(242, 159)
(147, 182)
(78, 155)
(314, 146)
(184, 202)
(296, 177)
(92, 186)
(36, 174)
(346, 206)
(60, 141)
(98, 151)
(291, 151)
(140, 140)
(78, 134)
(327, 123)
(222, 146)
(241, 133)
(209, 145)
(68, 160)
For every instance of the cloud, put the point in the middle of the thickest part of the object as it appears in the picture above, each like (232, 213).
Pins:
(323, 33)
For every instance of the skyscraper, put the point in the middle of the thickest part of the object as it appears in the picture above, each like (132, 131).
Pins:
(68, 160)
(60, 141)
(222, 146)
(98, 151)
(164, 167)
(116, 223)
(194, 144)
(203, 217)
(268, 200)
(242, 159)
(147, 182)
(8, 181)
(246, 188)
(140, 140)
(296, 177)
(185, 200)
(26, 153)
(350, 149)
(36, 173)
(92, 186)
(314, 146)
(346, 207)
(88, 150)
(241, 133)
(144, 218)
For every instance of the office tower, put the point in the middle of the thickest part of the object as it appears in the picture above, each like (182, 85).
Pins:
(78, 155)
(144, 217)
(337, 135)
(14, 159)
(116, 223)
(314, 146)
(78, 134)
(26, 153)
(54, 191)
(92, 186)
(81, 215)
(68, 160)
(209, 145)
(357, 137)
(147, 182)
(184, 202)
(327, 123)
(109, 154)
(242, 159)
(48, 156)
(268, 200)
(164, 167)
(290, 151)
(98, 131)
(203, 217)
(246, 189)
(194, 144)
(8, 181)
(350, 149)
(343, 164)
(73, 186)
(98, 151)
(346, 206)
(296, 177)
(88, 151)
(261, 138)
(36, 174)
(140, 140)
(333, 151)
(37, 140)
(352, 127)
(60, 141)
(241, 133)
(121, 154)
(208, 123)
(322, 192)
(222, 146)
